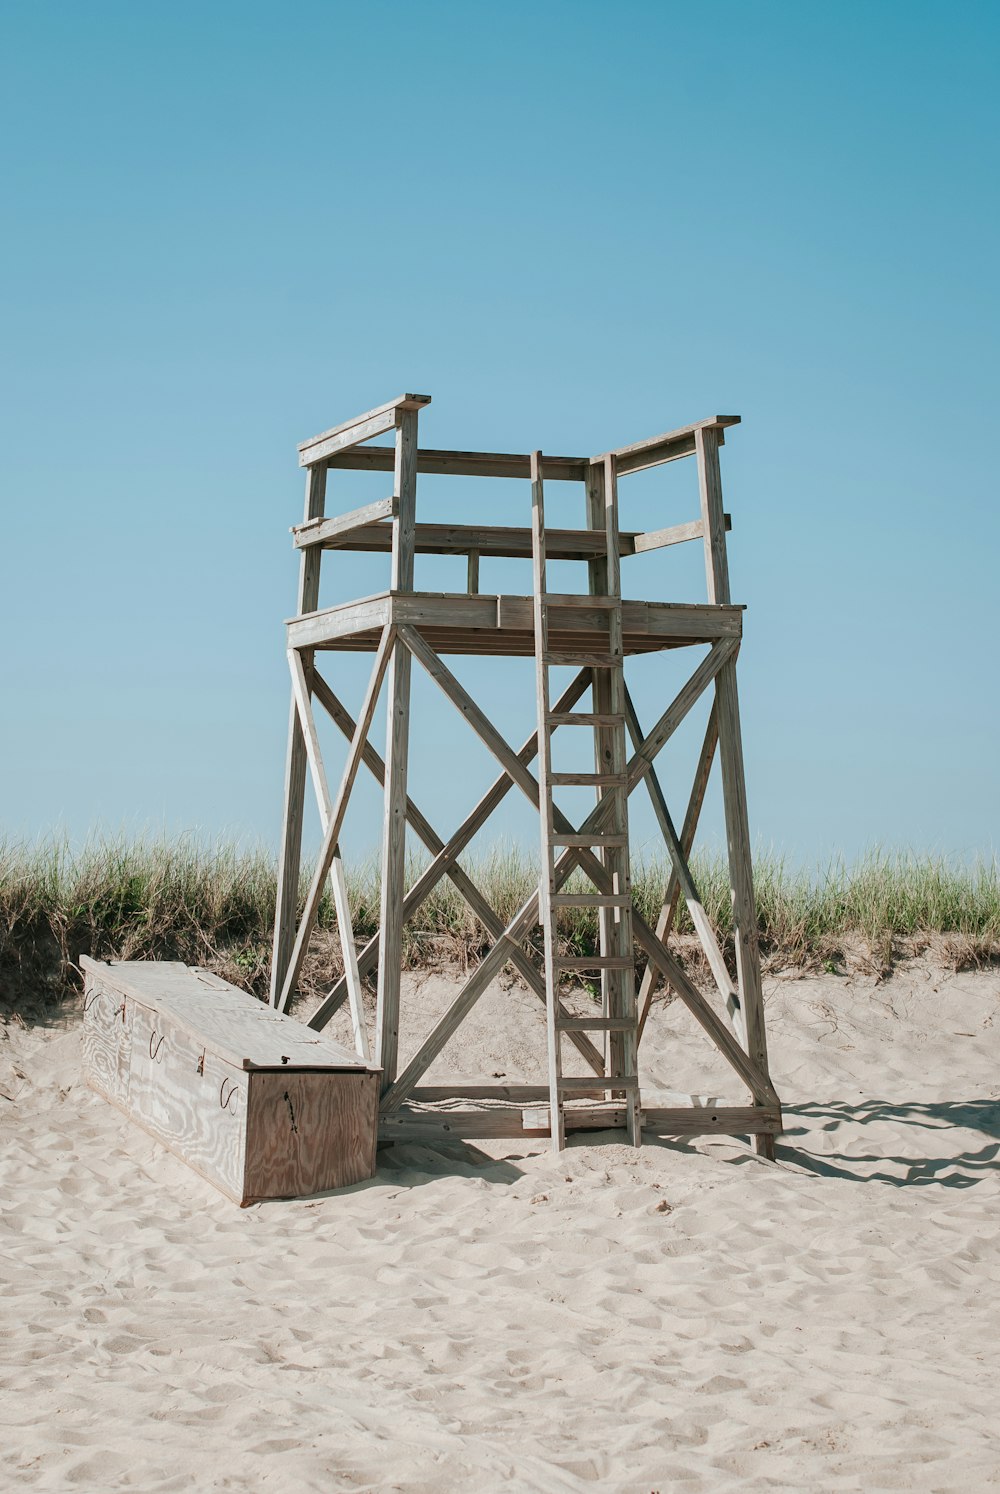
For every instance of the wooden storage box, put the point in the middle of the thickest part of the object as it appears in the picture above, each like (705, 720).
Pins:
(257, 1103)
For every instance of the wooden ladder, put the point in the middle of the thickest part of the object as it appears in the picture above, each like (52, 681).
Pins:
(609, 843)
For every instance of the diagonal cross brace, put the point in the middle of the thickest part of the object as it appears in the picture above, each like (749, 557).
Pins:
(668, 911)
(682, 873)
(337, 813)
(445, 863)
(527, 916)
(317, 770)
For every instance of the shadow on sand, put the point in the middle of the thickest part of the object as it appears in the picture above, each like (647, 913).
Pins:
(960, 1167)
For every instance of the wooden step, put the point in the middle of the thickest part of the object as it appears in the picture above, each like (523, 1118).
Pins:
(588, 780)
(573, 599)
(594, 1024)
(588, 900)
(585, 718)
(613, 838)
(585, 661)
(568, 1086)
(593, 962)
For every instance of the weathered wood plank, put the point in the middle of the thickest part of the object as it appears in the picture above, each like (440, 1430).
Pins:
(307, 1133)
(321, 531)
(361, 428)
(189, 1098)
(245, 1032)
(728, 1120)
(290, 853)
(393, 879)
(655, 450)
(463, 463)
(675, 534)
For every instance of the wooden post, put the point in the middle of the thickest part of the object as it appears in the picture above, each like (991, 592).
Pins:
(393, 887)
(603, 751)
(731, 762)
(290, 855)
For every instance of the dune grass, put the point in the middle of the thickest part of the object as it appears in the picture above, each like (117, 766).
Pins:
(213, 906)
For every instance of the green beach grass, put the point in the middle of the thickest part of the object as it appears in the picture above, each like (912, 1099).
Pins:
(214, 907)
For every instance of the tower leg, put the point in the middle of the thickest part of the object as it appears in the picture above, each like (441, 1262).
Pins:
(393, 864)
(290, 856)
(741, 876)
(396, 754)
(731, 759)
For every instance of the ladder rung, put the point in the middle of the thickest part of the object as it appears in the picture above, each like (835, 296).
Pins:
(588, 900)
(570, 1086)
(593, 962)
(585, 718)
(595, 839)
(594, 1024)
(594, 780)
(572, 599)
(585, 661)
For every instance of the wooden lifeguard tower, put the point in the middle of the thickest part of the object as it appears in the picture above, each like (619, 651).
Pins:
(595, 632)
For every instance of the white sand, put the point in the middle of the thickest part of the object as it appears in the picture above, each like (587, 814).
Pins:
(683, 1318)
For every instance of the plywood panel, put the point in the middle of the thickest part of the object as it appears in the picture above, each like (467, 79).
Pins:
(107, 1040)
(232, 1024)
(188, 1098)
(308, 1132)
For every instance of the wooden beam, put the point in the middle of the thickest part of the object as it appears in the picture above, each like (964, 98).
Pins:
(321, 531)
(361, 428)
(290, 853)
(393, 881)
(655, 450)
(731, 763)
(463, 463)
(677, 534)
(338, 810)
(503, 541)
(437, 1125)
(723, 1120)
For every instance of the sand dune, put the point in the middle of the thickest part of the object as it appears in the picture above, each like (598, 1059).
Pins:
(687, 1317)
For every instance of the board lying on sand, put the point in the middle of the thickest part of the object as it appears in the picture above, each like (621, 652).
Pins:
(254, 1101)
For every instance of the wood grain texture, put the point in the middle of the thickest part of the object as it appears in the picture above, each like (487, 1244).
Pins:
(361, 428)
(309, 1132)
(290, 853)
(189, 1099)
(463, 463)
(245, 1032)
(107, 1039)
(320, 531)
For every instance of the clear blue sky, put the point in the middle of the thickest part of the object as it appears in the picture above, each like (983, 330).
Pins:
(574, 224)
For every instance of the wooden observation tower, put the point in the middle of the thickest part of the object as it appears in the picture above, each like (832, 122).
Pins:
(594, 632)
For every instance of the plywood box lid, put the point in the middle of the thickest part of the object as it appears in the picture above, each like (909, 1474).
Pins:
(229, 1022)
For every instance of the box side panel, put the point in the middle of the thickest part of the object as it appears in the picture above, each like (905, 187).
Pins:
(309, 1131)
(107, 1041)
(189, 1099)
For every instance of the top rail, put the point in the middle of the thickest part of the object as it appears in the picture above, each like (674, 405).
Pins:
(462, 463)
(350, 432)
(655, 450)
(637, 457)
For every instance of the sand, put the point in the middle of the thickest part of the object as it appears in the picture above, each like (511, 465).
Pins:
(687, 1317)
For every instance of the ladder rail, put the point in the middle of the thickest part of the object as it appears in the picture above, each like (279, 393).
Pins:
(618, 1020)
